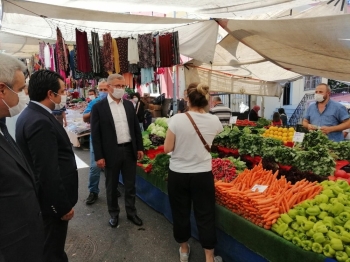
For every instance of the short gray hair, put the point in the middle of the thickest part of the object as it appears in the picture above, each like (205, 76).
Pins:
(9, 65)
(103, 81)
(111, 77)
(327, 86)
(217, 98)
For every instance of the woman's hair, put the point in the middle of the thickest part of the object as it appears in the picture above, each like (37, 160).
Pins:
(276, 117)
(198, 94)
(281, 110)
(137, 95)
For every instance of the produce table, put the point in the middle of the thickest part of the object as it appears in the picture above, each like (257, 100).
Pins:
(238, 239)
(76, 127)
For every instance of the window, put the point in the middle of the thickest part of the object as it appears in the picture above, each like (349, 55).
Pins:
(310, 82)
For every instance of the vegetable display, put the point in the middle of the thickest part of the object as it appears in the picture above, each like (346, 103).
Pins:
(264, 208)
(223, 169)
(281, 133)
(321, 225)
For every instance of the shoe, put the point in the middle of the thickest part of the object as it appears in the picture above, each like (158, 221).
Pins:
(135, 219)
(91, 198)
(217, 259)
(118, 193)
(184, 256)
(113, 222)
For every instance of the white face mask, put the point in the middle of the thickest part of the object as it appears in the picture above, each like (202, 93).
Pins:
(62, 103)
(319, 98)
(118, 93)
(135, 99)
(92, 97)
(15, 110)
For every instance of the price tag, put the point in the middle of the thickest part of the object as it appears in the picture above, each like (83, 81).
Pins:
(298, 137)
(233, 120)
(260, 188)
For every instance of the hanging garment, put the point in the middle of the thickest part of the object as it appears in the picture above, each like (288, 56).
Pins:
(176, 48)
(78, 73)
(41, 52)
(72, 66)
(82, 52)
(166, 50)
(107, 52)
(122, 44)
(116, 56)
(60, 51)
(133, 51)
(47, 58)
(157, 51)
(146, 51)
(96, 67)
(52, 59)
(147, 75)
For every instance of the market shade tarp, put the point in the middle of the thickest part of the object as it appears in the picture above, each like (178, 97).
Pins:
(309, 46)
(234, 57)
(225, 83)
(196, 39)
(208, 8)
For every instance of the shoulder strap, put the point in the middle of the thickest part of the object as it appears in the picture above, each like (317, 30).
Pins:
(138, 105)
(198, 132)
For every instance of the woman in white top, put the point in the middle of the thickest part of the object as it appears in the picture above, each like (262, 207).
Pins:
(190, 178)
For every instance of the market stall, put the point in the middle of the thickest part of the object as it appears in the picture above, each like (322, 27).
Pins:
(76, 128)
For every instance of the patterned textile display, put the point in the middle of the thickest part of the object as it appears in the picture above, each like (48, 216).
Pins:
(96, 67)
(60, 50)
(107, 52)
(78, 73)
(146, 51)
(115, 56)
(41, 54)
(122, 44)
(82, 52)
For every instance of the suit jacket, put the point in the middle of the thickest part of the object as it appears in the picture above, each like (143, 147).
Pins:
(21, 226)
(104, 138)
(48, 150)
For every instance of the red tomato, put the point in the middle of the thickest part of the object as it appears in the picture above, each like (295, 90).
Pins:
(341, 173)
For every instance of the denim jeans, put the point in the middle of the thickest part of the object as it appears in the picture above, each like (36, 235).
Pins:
(94, 174)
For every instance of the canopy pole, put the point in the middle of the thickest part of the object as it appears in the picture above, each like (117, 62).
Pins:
(174, 90)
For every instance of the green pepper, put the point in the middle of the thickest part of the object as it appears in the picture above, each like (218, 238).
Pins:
(338, 221)
(320, 227)
(328, 251)
(328, 192)
(305, 204)
(292, 213)
(322, 198)
(324, 206)
(294, 225)
(341, 256)
(279, 229)
(347, 209)
(313, 211)
(286, 219)
(336, 209)
(331, 234)
(342, 184)
(344, 216)
(319, 237)
(288, 234)
(306, 245)
(317, 248)
(322, 215)
(307, 225)
(342, 198)
(310, 233)
(301, 210)
(347, 250)
(302, 236)
(347, 226)
(338, 229)
(312, 219)
(336, 244)
(345, 236)
(328, 222)
(334, 200)
(296, 241)
(300, 219)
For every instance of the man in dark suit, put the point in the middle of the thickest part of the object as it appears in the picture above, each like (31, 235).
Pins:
(117, 142)
(21, 228)
(48, 150)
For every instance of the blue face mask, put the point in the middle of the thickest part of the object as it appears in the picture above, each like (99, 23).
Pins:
(102, 95)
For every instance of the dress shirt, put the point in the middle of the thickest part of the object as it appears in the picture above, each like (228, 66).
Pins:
(120, 120)
(43, 106)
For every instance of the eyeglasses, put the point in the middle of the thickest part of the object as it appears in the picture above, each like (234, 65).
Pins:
(118, 86)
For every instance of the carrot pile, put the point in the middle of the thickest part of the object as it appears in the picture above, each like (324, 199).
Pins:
(264, 208)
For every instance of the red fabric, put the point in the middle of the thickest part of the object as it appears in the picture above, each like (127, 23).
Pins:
(83, 61)
(166, 50)
(278, 123)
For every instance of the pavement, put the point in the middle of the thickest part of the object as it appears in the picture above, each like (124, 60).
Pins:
(90, 238)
